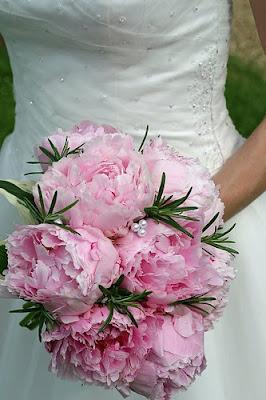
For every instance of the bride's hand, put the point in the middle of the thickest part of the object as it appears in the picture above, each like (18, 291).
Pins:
(242, 178)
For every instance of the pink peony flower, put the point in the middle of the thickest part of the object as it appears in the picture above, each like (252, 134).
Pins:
(93, 130)
(182, 173)
(167, 262)
(110, 358)
(221, 262)
(58, 268)
(81, 133)
(110, 180)
(176, 357)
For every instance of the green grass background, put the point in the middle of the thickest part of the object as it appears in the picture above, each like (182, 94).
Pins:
(245, 95)
(7, 102)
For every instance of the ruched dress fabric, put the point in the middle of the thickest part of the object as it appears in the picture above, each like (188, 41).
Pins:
(130, 64)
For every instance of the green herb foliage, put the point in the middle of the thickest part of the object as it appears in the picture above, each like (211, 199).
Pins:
(166, 210)
(54, 154)
(40, 214)
(37, 317)
(219, 238)
(195, 301)
(119, 299)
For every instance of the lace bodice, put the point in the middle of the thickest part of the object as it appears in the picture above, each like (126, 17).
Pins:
(126, 63)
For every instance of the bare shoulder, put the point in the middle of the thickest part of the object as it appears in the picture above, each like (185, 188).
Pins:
(259, 11)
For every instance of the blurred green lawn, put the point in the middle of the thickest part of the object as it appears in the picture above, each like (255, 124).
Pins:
(7, 103)
(245, 95)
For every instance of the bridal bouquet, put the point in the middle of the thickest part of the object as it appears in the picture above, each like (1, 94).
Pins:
(122, 262)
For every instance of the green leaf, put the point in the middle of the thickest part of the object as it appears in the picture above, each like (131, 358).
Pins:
(3, 258)
(166, 211)
(131, 317)
(180, 201)
(219, 240)
(174, 224)
(225, 248)
(55, 155)
(208, 304)
(161, 189)
(56, 152)
(47, 153)
(52, 206)
(16, 193)
(228, 230)
(108, 319)
(119, 281)
(197, 308)
(104, 290)
(38, 162)
(166, 200)
(74, 151)
(191, 208)
(37, 316)
(210, 222)
(7, 106)
(27, 320)
(65, 149)
(63, 210)
(40, 329)
(41, 216)
(23, 310)
(34, 173)
(16, 189)
(65, 227)
(119, 299)
(29, 304)
(181, 216)
(144, 139)
(41, 200)
(33, 210)
(194, 302)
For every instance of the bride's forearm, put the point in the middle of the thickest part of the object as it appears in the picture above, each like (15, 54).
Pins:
(243, 176)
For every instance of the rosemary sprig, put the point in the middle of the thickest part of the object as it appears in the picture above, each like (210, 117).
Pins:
(219, 239)
(26, 199)
(119, 299)
(37, 317)
(54, 155)
(194, 302)
(48, 217)
(166, 210)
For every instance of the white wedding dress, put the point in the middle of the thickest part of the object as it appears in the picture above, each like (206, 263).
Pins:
(130, 63)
